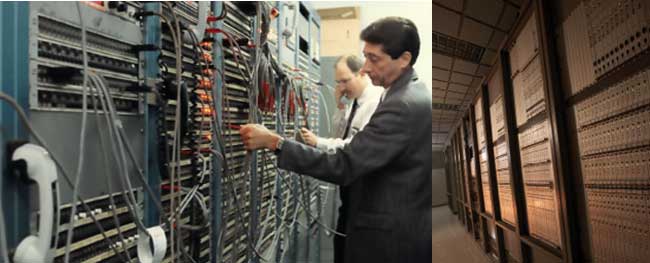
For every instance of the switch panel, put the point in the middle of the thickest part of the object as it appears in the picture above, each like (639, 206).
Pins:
(614, 146)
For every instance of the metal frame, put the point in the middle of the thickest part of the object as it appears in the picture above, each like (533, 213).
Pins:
(554, 98)
(14, 81)
(463, 163)
(462, 181)
(516, 179)
(280, 130)
(475, 212)
(216, 196)
(254, 205)
(483, 216)
(494, 187)
(152, 170)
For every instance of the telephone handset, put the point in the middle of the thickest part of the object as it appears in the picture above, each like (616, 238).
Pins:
(40, 168)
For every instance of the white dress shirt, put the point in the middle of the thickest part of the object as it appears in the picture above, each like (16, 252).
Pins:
(367, 103)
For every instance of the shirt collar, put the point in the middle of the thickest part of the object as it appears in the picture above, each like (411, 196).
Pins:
(365, 95)
(403, 80)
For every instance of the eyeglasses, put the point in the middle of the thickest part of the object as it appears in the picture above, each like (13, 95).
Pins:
(343, 81)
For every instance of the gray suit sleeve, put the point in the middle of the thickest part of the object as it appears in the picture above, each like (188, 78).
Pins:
(384, 139)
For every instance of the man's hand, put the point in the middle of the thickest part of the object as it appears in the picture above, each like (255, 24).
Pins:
(338, 93)
(310, 137)
(256, 136)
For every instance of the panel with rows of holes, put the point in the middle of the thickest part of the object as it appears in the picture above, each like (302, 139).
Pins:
(617, 31)
(482, 151)
(614, 146)
(500, 148)
(56, 100)
(534, 135)
(236, 111)
(194, 105)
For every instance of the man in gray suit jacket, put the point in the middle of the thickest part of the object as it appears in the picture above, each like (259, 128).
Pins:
(387, 165)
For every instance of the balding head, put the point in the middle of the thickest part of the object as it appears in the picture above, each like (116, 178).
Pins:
(353, 63)
(348, 77)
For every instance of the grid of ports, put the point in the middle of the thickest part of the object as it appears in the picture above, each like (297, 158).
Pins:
(73, 101)
(73, 55)
(64, 32)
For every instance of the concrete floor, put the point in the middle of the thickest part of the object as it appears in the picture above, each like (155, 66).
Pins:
(451, 243)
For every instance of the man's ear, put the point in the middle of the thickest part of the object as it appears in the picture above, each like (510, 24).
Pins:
(405, 59)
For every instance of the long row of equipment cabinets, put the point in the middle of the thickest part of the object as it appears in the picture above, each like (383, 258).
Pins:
(551, 161)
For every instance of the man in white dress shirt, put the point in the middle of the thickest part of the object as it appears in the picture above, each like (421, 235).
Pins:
(347, 121)
(355, 86)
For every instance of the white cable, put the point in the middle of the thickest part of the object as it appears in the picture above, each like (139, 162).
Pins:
(290, 228)
(106, 177)
(279, 227)
(118, 153)
(37, 137)
(268, 216)
(193, 192)
(177, 44)
(82, 141)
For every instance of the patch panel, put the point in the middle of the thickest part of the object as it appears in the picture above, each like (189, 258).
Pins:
(543, 221)
(88, 247)
(503, 172)
(618, 223)
(487, 199)
(577, 50)
(500, 149)
(66, 54)
(63, 101)
(52, 30)
(534, 135)
(630, 94)
(506, 203)
(525, 47)
(618, 133)
(630, 167)
(133, 53)
(617, 32)
(528, 87)
(497, 120)
(56, 45)
(613, 139)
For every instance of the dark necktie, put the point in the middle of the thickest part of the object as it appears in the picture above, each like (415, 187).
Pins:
(355, 105)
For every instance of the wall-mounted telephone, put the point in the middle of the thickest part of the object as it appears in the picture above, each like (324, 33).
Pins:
(40, 168)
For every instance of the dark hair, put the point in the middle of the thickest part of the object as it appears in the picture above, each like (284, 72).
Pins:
(353, 62)
(396, 34)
